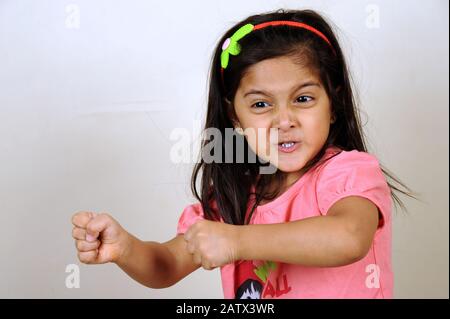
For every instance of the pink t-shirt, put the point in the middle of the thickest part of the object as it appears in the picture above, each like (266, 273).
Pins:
(349, 173)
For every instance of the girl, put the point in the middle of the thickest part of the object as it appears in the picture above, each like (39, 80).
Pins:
(320, 226)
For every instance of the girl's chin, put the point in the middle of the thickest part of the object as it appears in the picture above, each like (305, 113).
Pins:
(288, 165)
(289, 168)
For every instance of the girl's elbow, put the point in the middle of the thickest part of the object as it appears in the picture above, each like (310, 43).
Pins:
(355, 250)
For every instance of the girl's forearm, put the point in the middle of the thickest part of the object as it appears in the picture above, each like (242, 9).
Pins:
(149, 263)
(322, 241)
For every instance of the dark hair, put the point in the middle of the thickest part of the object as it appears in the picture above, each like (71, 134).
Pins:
(229, 184)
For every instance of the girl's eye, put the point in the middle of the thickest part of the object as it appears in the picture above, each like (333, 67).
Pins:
(304, 99)
(259, 105)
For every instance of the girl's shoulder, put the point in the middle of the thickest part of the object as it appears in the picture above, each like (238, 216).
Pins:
(336, 159)
(348, 173)
(343, 170)
(352, 173)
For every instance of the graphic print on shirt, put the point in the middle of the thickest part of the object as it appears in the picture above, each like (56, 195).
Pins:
(249, 285)
(252, 280)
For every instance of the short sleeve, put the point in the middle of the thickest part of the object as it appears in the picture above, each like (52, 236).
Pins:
(189, 216)
(353, 173)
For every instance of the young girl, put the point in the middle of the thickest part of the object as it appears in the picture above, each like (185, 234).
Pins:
(320, 225)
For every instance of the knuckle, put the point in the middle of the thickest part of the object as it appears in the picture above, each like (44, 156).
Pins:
(79, 245)
(86, 246)
(75, 218)
(77, 232)
(87, 257)
(82, 258)
(105, 216)
(80, 219)
(207, 266)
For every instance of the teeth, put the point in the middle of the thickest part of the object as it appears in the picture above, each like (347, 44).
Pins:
(288, 144)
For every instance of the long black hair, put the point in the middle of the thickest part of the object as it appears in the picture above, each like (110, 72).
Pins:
(229, 184)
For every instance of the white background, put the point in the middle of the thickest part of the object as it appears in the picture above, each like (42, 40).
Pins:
(86, 111)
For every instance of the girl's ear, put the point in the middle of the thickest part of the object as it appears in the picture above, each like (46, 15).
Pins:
(237, 127)
(239, 130)
(333, 118)
(227, 101)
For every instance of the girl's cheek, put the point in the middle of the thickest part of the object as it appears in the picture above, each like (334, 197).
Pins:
(259, 141)
(317, 134)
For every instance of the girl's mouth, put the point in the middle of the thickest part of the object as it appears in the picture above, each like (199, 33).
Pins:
(288, 147)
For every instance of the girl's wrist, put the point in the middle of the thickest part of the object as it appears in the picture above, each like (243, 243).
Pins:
(126, 250)
(238, 242)
(251, 241)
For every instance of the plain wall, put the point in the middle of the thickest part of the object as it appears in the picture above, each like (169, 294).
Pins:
(90, 92)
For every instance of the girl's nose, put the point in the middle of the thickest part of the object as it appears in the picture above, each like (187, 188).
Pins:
(285, 119)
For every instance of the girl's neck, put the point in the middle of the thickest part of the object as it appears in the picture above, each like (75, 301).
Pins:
(289, 180)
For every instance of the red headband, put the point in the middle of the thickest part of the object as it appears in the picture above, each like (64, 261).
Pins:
(231, 45)
(293, 24)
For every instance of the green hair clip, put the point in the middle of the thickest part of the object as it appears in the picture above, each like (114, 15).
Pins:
(231, 45)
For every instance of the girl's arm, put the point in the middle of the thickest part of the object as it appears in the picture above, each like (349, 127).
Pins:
(157, 265)
(341, 237)
(99, 239)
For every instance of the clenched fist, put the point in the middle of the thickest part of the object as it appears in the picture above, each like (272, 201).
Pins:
(212, 244)
(98, 238)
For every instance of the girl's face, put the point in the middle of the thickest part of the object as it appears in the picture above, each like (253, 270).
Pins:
(280, 97)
